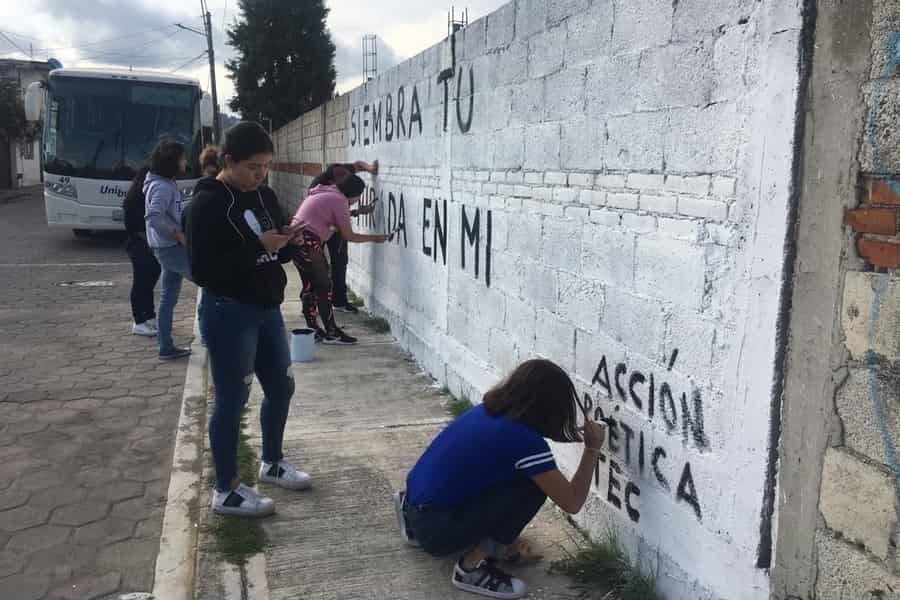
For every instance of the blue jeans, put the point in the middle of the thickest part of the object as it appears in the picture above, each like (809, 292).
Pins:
(492, 519)
(175, 267)
(242, 340)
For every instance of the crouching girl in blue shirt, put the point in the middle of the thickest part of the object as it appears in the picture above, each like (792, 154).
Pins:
(485, 476)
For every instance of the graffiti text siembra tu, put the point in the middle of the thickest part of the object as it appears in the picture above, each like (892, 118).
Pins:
(681, 416)
(399, 116)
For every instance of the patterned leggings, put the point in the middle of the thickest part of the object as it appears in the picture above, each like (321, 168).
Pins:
(316, 294)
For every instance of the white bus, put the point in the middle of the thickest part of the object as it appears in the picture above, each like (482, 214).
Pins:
(99, 127)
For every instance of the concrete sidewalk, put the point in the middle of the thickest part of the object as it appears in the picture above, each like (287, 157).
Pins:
(360, 418)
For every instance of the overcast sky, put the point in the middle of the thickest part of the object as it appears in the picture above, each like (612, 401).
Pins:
(141, 33)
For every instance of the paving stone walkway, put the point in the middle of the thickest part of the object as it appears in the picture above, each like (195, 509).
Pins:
(87, 418)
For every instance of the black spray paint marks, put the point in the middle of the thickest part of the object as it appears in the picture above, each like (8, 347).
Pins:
(438, 229)
(377, 121)
(396, 218)
(475, 228)
(641, 392)
(686, 490)
(628, 442)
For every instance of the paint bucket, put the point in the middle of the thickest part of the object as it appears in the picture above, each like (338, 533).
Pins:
(303, 345)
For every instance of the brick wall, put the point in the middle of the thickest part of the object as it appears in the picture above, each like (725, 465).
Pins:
(606, 186)
(857, 541)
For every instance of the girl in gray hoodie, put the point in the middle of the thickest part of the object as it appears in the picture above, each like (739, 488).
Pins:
(165, 237)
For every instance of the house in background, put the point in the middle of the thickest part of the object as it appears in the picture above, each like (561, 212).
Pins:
(20, 161)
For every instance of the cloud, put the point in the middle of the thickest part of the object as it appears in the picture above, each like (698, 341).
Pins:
(147, 39)
(348, 59)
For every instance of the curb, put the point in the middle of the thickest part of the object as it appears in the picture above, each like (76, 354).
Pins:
(176, 561)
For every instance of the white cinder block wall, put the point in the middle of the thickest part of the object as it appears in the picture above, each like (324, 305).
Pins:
(605, 184)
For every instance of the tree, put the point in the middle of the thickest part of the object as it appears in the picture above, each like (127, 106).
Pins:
(285, 59)
(12, 111)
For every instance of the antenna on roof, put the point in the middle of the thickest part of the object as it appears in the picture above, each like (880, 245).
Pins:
(370, 57)
(454, 24)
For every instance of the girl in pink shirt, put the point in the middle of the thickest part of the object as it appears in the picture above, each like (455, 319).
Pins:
(325, 210)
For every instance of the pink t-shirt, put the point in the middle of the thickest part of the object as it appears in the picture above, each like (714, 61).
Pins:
(325, 207)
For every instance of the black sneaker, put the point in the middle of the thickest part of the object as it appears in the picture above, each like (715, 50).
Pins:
(320, 335)
(174, 354)
(347, 308)
(339, 338)
(487, 580)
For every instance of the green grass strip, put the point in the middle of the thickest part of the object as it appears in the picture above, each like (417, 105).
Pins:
(603, 565)
(239, 538)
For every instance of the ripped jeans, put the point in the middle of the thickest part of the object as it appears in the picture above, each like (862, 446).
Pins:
(243, 340)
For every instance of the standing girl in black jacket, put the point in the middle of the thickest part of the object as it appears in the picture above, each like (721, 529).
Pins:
(237, 240)
(144, 267)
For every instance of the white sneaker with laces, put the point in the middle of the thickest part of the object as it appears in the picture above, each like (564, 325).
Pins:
(243, 501)
(487, 580)
(284, 474)
(405, 533)
(144, 329)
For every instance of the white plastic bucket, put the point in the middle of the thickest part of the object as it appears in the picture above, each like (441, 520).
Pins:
(303, 345)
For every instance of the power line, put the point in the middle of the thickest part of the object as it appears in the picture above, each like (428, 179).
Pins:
(22, 35)
(15, 45)
(130, 52)
(106, 41)
(195, 59)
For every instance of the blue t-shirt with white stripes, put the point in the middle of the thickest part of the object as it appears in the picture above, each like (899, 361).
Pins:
(474, 453)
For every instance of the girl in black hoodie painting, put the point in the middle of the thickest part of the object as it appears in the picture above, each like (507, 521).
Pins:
(237, 239)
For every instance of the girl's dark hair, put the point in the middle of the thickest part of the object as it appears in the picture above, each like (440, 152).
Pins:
(246, 139)
(351, 186)
(538, 394)
(165, 158)
(209, 156)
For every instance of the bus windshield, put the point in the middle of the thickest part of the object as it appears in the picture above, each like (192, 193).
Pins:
(107, 129)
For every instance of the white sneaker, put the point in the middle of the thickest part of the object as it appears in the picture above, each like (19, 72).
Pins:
(153, 323)
(487, 580)
(144, 329)
(405, 533)
(284, 474)
(243, 501)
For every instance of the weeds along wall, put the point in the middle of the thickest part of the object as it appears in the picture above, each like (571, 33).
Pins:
(608, 185)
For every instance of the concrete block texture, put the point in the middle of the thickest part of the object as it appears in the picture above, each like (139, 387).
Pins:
(848, 484)
(868, 404)
(870, 315)
(545, 52)
(641, 24)
(885, 41)
(693, 17)
(633, 142)
(704, 140)
(590, 34)
(679, 74)
(845, 572)
(881, 142)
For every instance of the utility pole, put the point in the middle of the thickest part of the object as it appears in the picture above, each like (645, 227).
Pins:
(207, 33)
(217, 133)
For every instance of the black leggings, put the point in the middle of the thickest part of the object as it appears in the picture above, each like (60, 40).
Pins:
(337, 254)
(146, 272)
(495, 517)
(316, 293)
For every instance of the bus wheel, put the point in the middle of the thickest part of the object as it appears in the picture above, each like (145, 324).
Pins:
(82, 233)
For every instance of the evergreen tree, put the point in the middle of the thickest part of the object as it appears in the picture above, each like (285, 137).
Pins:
(285, 59)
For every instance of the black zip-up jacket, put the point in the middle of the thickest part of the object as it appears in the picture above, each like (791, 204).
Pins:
(222, 226)
(133, 211)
